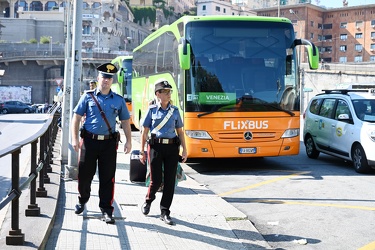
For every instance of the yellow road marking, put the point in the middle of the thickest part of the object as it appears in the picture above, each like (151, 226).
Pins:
(370, 246)
(314, 204)
(263, 183)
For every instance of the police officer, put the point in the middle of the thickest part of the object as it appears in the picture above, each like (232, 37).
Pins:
(164, 122)
(99, 142)
(92, 84)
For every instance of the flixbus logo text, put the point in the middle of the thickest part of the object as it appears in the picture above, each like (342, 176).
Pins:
(245, 124)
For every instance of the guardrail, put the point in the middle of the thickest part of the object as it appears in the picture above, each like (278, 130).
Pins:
(19, 51)
(46, 135)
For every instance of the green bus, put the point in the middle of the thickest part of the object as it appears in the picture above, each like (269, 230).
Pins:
(122, 80)
(236, 82)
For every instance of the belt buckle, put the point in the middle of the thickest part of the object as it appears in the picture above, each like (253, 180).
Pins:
(100, 137)
(165, 141)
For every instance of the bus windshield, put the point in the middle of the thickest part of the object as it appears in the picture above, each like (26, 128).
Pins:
(241, 66)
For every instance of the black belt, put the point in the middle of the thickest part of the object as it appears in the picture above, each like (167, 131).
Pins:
(165, 140)
(97, 137)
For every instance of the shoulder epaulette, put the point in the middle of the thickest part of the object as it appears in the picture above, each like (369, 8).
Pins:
(152, 106)
(116, 94)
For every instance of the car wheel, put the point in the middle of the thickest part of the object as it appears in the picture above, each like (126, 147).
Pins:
(359, 159)
(26, 111)
(4, 111)
(310, 148)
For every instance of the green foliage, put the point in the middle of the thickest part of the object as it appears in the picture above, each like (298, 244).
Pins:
(144, 13)
(33, 40)
(45, 39)
(149, 13)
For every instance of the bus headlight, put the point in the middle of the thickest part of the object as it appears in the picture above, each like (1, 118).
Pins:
(198, 134)
(371, 134)
(289, 133)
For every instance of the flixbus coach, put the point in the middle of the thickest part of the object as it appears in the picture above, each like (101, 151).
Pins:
(235, 81)
(122, 80)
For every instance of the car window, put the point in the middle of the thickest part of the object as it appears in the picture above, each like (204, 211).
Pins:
(314, 106)
(342, 108)
(327, 108)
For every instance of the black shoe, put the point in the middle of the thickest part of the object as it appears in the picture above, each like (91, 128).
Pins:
(146, 208)
(79, 208)
(108, 219)
(167, 219)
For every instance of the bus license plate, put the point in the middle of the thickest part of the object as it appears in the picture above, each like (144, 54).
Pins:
(248, 150)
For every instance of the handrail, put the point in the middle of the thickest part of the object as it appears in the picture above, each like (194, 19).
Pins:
(44, 129)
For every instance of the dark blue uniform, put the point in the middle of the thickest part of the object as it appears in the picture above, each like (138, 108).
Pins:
(99, 146)
(163, 148)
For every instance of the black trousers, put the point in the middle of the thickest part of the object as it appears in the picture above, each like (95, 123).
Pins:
(159, 154)
(101, 154)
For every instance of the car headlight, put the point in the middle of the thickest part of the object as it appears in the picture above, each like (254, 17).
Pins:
(289, 133)
(371, 134)
(198, 134)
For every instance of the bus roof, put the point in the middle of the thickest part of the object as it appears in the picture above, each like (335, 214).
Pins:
(187, 19)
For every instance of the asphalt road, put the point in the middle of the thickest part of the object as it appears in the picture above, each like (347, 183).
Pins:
(296, 202)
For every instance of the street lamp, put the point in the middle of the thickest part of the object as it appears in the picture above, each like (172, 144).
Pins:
(50, 44)
(278, 8)
(300, 33)
(98, 25)
(300, 71)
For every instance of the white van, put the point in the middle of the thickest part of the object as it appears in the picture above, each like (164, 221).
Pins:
(341, 123)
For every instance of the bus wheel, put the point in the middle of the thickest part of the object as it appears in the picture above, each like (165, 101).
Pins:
(311, 150)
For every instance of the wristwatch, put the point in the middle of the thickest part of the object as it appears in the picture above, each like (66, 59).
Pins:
(141, 152)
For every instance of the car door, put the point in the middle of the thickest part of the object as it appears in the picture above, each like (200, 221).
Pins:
(12, 106)
(325, 123)
(19, 107)
(342, 130)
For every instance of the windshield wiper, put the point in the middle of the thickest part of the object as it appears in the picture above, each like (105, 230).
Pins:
(249, 99)
(281, 109)
(262, 102)
(207, 113)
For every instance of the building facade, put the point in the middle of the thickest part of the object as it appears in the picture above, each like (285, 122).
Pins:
(219, 7)
(343, 35)
(107, 30)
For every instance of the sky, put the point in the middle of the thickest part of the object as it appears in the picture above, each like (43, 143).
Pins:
(338, 3)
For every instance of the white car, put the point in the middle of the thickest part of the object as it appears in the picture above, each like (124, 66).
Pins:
(342, 123)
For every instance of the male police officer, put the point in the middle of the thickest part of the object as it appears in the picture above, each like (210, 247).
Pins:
(99, 140)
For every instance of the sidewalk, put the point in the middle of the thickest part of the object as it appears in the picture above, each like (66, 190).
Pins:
(202, 219)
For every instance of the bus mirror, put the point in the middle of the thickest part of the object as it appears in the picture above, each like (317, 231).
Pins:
(184, 54)
(312, 52)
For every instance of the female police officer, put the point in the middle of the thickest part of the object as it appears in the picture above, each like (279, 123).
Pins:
(99, 146)
(163, 121)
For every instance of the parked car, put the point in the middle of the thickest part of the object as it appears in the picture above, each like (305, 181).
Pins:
(342, 123)
(15, 107)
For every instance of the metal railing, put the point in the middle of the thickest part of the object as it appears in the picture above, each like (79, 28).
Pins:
(46, 136)
(20, 51)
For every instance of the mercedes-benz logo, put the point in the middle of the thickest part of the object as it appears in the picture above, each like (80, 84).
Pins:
(248, 135)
